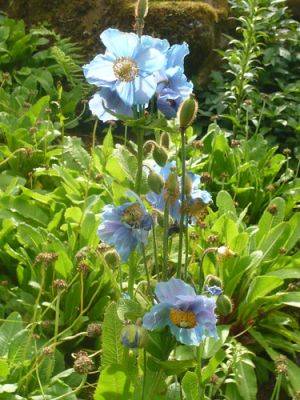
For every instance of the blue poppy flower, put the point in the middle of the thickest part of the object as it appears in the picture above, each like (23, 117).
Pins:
(190, 317)
(172, 82)
(125, 227)
(196, 193)
(105, 100)
(127, 67)
(158, 200)
(214, 290)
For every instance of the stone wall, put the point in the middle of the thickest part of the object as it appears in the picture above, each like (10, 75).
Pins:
(197, 22)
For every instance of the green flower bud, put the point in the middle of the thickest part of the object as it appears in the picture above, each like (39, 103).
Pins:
(148, 147)
(155, 182)
(133, 336)
(141, 9)
(165, 140)
(112, 258)
(212, 280)
(172, 190)
(187, 112)
(224, 305)
(160, 155)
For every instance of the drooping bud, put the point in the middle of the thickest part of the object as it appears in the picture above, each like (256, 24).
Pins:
(160, 155)
(133, 336)
(224, 305)
(165, 140)
(112, 258)
(141, 9)
(188, 184)
(212, 280)
(155, 182)
(148, 147)
(187, 112)
(225, 252)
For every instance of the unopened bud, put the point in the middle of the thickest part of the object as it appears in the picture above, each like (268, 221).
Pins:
(165, 140)
(212, 280)
(172, 190)
(155, 182)
(148, 147)
(141, 9)
(112, 258)
(206, 177)
(187, 112)
(160, 155)
(224, 305)
(188, 184)
(133, 336)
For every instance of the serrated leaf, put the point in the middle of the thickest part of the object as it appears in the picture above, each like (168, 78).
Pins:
(114, 384)
(190, 386)
(111, 337)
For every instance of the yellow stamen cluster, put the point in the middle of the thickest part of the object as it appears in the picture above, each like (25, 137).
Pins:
(125, 69)
(133, 215)
(183, 319)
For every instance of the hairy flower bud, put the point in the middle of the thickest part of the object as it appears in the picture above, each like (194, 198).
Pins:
(93, 330)
(155, 182)
(165, 140)
(112, 258)
(187, 112)
(148, 147)
(133, 336)
(188, 184)
(171, 189)
(141, 9)
(160, 155)
(224, 305)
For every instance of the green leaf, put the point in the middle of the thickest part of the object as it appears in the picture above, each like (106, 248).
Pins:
(274, 240)
(225, 203)
(246, 380)
(211, 345)
(291, 299)
(190, 386)
(114, 384)
(11, 326)
(261, 286)
(212, 365)
(287, 273)
(63, 264)
(268, 221)
(111, 337)
(4, 368)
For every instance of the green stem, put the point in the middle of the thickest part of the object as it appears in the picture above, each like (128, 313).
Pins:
(186, 259)
(146, 268)
(81, 291)
(56, 324)
(166, 240)
(182, 216)
(199, 370)
(139, 175)
(155, 250)
(144, 378)
(131, 276)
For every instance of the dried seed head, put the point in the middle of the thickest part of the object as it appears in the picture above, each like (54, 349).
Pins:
(206, 177)
(93, 330)
(281, 365)
(270, 188)
(83, 364)
(46, 258)
(83, 253)
(59, 284)
(83, 267)
(48, 351)
(212, 239)
(198, 144)
(235, 143)
(272, 209)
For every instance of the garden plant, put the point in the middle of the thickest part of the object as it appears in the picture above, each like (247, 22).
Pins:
(158, 258)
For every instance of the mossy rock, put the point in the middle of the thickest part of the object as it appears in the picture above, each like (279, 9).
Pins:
(197, 22)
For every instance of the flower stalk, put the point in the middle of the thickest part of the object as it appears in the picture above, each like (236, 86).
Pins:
(182, 215)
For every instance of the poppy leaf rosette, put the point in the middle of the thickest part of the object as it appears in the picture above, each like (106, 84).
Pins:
(190, 317)
(127, 67)
(125, 227)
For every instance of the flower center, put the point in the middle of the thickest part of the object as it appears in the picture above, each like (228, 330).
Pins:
(183, 319)
(125, 69)
(133, 215)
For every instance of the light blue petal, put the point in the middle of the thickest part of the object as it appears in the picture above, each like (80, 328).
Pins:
(176, 55)
(100, 72)
(160, 44)
(203, 195)
(168, 102)
(149, 60)
(119, 43)
(126, 92)
(189, 337)
(166, 292)
(144, 89)
(157, 318)
(166, 170)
